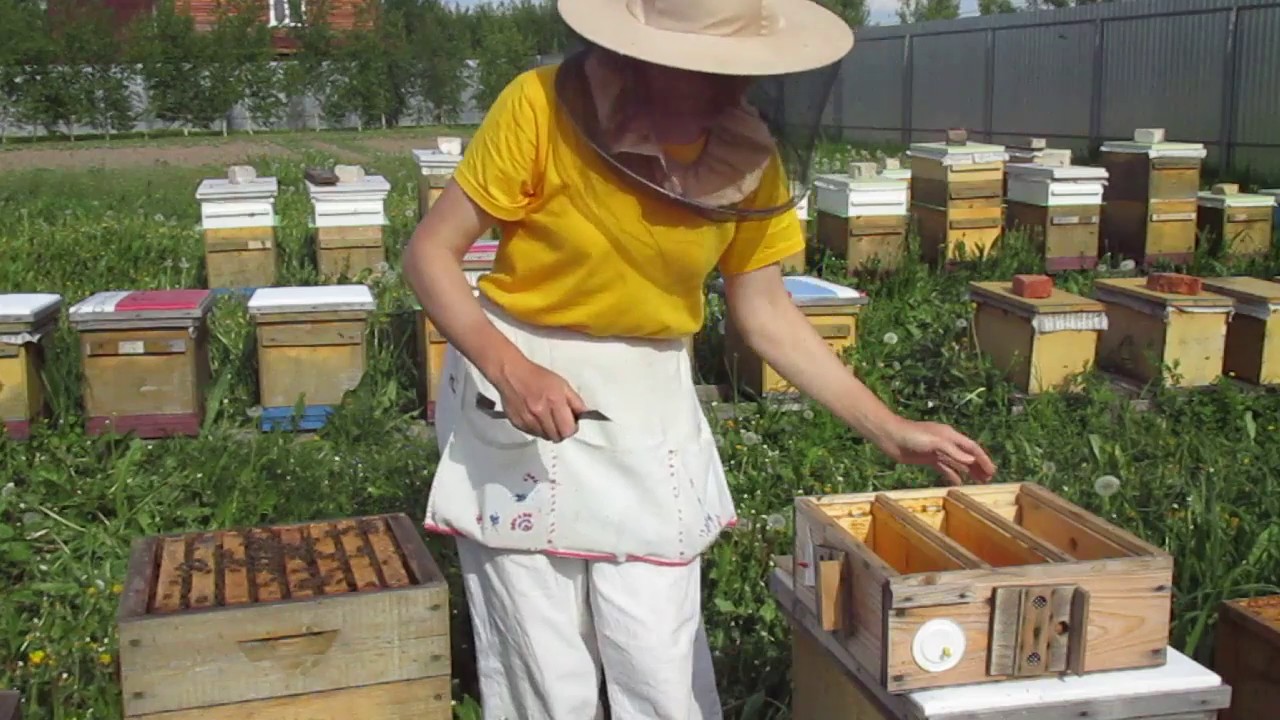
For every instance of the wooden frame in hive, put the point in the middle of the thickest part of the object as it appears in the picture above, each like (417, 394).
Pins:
(325, 620)
(950, 586)
(1252, 350)
(1148, 331)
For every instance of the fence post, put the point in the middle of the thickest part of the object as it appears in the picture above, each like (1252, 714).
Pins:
(908, 69)
(989, 99)
(1095, 91)
(1231, 59)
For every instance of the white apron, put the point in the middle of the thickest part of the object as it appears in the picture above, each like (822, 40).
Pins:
(645, 485)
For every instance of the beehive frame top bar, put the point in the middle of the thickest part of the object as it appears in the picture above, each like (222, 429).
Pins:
(1179, 674)
(1212, 199)
(29, 308)
(1164, 149)
(1032, 171)
(969, 153)
(815, 292)
(1121, 289)
(1000, 293)
(223, 189)
(321, 298)
(132, 307)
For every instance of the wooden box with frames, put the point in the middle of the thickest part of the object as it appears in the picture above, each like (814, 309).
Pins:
(1150, 202)
(238, 219)
(1247, 653)
(863, 219)
(1252, 351)
(348, 219)
(957, 197)
(951, 586)
(1236, 224)
(27, 321)
(325, 620)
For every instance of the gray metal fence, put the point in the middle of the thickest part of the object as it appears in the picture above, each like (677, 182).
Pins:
(1207, 70)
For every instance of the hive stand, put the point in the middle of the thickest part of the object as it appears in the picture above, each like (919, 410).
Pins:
(1149, 213)
(349, 217)
(238, 220)
(1247, 653)
(957, 196)
(1235, 223)
(863, 218)
(1252, 351)
(311, 350)
(27, 321)
(832, 309)
(329, 620)
(146, 360)
(952, 586)
(1149, 329)
(828, 683)
(1061, 206)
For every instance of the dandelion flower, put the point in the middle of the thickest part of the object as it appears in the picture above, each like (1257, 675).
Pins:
(37, 657)
(1048, 468)
(807, 414)
(1106, 485)
(8, 490)
(891, 338)
(776, 522)
(117, 588)
(381, 267)
(1128, 265)
(31, 518)
(104, 659)
(254, 412)
(962, 323)
(408, 212)
(750, 438)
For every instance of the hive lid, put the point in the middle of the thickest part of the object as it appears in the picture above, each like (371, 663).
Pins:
(1137, 288)
(434, 159)
(1061, 301)
(141, 305)
(1248, 289)
(1046, 172)
(808, 291)
(370, 185)
(1163, 149)
(223, 189)
(29, 308)
(841, 183)
(1179, 674)
(1212, 199)
(959, 154)
(311, 299)
(1273, 193)
(896, 173)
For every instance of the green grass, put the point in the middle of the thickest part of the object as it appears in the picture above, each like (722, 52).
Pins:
(1198, 477)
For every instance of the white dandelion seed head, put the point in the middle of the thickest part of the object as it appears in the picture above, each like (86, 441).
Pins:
(8, 490)
(1128, 265)
(890, 338)
(31, 518)
(408, 212)
(807, 414)
(254, 412)
(1048, 468)
(750, 438)
(776, 522)
(962, 323)
(381, 267)
(1106, 485)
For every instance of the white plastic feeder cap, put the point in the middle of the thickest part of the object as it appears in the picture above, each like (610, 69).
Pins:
(938, 645)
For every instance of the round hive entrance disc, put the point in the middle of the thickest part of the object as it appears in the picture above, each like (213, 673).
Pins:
(938, 645)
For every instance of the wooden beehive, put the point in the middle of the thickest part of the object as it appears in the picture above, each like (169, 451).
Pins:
(27, 320)
(348, 221)
(891, 169)
(1247, 654)
(957, 198)
(832, 309)
(1149, 211)
(1061, 206)
(435, 168)
(311, 350)
(1252, 350)
(1234, 222)
(1041, 344)
(10, 705)
(1274, 194)
(146, 360)
(862, 219)
(1149, 330)
(238, 219)
(938, 587)
(431, 351)
(829, 684)
(335, 620)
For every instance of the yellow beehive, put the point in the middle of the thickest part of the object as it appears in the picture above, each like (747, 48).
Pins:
(863, 218)
(1040, 343)
(435, 167)
(1253, 334)
(957, 197)
(1061, 206)
(833, 310)
(238, 219)
(348, 220)
(1148, 331)
(1150, 202)
(327, 620)
(27, 320)
(146, 360)
(1236, 222)
(311, 350)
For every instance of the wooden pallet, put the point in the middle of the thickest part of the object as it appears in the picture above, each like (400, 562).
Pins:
(325, 620)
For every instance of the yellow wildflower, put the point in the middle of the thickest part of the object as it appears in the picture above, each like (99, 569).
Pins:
(105, 658)
(117, 589)
(37, 657)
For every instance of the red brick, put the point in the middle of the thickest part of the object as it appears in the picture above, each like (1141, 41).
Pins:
(1034, 287)
(1174, 283)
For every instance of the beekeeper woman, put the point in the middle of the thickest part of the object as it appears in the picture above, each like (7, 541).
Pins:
(577, 470)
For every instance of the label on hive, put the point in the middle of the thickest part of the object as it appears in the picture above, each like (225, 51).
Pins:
(329, 298)
(1172, 217)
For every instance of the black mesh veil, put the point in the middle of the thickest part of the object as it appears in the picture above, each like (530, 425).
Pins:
(791, 107)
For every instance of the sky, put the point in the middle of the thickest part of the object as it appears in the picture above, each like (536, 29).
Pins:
(883, 12)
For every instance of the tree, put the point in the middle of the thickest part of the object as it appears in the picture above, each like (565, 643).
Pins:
(913, 11)
(309, 71)
(243, 62)
(436, 59)
(504, 52)
(854, 12)
(22, 43)
(74, 79)
(168, 49)
(994, 7)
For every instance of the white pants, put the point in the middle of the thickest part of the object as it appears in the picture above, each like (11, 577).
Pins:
(546, 626)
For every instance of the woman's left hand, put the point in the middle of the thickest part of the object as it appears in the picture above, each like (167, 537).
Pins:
(941, 447)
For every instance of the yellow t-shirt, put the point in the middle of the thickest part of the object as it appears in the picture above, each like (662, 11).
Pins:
(582, 250)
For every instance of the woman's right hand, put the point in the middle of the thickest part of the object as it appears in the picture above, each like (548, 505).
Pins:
(538, 401)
